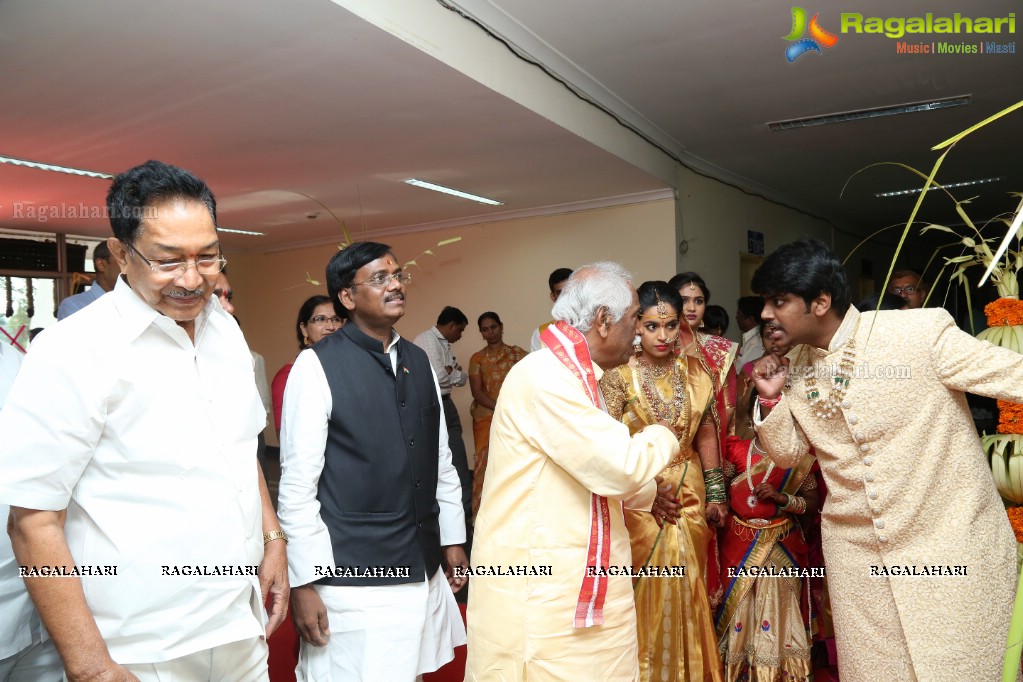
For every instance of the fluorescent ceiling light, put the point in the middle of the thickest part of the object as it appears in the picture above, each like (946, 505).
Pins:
(453, 192)
(56, 169)
(878, 112)
(228, 229)
(951, 185)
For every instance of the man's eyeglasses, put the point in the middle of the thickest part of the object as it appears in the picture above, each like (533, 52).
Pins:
(204, 266)
(381, 280)
(323, 319)
(898, 291)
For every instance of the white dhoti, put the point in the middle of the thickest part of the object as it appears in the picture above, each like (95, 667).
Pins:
(384, 632)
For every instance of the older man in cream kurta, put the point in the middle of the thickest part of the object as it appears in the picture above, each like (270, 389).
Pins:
(550, 447)
(909, 492)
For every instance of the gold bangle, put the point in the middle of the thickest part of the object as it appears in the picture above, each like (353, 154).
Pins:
(275, 535)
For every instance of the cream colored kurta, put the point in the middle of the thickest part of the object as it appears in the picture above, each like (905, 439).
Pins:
(549, 448)
(908, 486)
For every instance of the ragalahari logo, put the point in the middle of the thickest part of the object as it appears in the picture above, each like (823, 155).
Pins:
(800, 45)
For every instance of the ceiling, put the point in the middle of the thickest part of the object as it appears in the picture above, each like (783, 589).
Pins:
(270, 101)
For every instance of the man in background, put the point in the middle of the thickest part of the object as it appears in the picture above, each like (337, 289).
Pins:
(107, 271)
(436, 341)
(908, 285)
(225, 294)
(747, 317)
(555, 282)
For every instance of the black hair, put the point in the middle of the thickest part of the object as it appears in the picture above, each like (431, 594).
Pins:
(134, 194)
(345, 263)
(489, 315)
(649, 292)
(716, 317)
(102, 251)
(751, 306)
(305, 312)
(888, 302)
(805, 268)
(684, 278)
(451, 314)
(557, 277)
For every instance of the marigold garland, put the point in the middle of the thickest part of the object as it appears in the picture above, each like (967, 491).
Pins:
(1016, 520)
(1010, 417)
(1004, 312)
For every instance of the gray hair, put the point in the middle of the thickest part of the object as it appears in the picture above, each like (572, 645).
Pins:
(591, 287)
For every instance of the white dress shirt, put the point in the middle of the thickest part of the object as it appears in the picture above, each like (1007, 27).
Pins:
(439, 351)
(149, 442)
(307, 408)
(750, 349)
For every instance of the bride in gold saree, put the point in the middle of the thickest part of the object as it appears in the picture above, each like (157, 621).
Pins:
(669, 380)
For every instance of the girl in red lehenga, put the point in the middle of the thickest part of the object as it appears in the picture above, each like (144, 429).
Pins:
(764, 624)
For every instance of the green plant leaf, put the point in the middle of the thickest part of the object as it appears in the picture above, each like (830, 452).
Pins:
(939, 227)
(452, 240)
(955, 138)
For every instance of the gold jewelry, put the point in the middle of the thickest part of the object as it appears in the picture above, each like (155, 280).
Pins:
(275, 535)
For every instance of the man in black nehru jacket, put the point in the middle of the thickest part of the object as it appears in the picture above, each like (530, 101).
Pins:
(368, 496)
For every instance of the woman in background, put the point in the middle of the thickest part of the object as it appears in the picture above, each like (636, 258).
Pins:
(669, 381)
(488, 369)
(316, 319)
(719, 354)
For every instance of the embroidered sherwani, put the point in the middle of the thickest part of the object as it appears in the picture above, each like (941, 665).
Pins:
(909, 491)
(550, 447)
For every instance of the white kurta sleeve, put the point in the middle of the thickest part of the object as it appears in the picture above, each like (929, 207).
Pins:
(449, 488)
(965, 363)
(642, 499)
(306, 412)
(592, 446)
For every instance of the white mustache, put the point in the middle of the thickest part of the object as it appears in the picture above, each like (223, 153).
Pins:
(185, 293)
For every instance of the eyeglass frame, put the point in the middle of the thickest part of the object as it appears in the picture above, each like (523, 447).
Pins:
(180, 270)
(333, 319)
(908, 289)
(404, 277)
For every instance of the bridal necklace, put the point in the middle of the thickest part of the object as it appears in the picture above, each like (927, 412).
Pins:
(665, 410)
(753, 499)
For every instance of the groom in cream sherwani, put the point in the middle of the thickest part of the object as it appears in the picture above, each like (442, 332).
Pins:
(921, 559)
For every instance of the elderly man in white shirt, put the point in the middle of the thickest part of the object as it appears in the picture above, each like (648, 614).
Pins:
(129, 461)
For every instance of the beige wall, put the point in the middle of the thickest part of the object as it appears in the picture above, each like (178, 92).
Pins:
(501, 267)
(504, 266)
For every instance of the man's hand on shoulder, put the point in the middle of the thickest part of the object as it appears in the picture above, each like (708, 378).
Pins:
(454, 555)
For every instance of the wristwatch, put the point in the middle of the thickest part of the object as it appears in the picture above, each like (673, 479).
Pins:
(275, 535)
